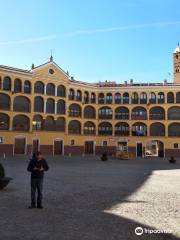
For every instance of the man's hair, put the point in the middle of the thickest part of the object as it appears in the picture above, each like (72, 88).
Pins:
(38, 153)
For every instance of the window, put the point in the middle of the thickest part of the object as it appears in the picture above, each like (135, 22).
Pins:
(104, 143)
(7, 84)
(176, 145)
(4, 121)
(50, 89)
(72, 142)
(1, 140)
(39, 87)
(21, 104)
(27, 87)
(37, 123)
(38, 104)
(17, 86)
(51, 71)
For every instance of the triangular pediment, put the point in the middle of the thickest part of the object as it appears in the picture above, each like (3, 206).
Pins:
(49, 71)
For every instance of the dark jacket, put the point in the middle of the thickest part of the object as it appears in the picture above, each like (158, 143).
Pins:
(38, 164)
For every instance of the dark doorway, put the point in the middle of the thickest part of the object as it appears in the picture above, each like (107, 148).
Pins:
(35, 146)
(58, 147)
(19, 145)
(139, 149)
(89, 147)
(160, 149)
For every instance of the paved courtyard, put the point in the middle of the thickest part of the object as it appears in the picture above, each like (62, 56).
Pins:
(86, 199)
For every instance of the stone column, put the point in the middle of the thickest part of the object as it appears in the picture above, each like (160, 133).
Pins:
(55, 108)
(55, 90)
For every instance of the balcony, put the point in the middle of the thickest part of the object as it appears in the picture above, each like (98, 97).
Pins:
(122, 116)
(121, 133)
(78, 98)
(93, 100)
(101, 101)
(105, 132)
(74, 114)
(134, 101)
(139, 117)
(139, 133)
(71, 97)
(86, 100)
(105, 116)
(89, 131)
(156, 116)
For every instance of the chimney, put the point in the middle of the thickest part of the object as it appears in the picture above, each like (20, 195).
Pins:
(165, 81)
(131, 81)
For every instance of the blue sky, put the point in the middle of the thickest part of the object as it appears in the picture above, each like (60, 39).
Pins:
(96, 40)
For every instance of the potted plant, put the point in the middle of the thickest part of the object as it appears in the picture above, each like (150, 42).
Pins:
(3, 180)
(104, 157)
(172, 160)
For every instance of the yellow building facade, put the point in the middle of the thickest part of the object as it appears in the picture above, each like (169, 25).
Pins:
(45, 109)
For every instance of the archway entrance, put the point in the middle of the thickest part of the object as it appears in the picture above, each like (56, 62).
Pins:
(154, 148)
(20, 145)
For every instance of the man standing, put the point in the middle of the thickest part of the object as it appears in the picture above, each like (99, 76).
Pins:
(37, 166)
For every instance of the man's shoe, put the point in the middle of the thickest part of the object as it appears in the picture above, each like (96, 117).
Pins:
(40, 206)
(31, 207)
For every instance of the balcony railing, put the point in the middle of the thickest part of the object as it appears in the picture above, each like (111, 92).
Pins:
(101, 101)
(74, 114)
(143, 101)
(121, 133)
(138, 117)
(93, 100)
(86, 100)
(161, 101)
(78, 98)
(152, 101)
(108, 101)
(105, 116)
(105, 132)
(89, 132)
(122, 116)
(139, 133)
(74, 131)
(134, 101)
(156, 116)
(93, 116)
(117, 101)
(71, 97)
(126, 101)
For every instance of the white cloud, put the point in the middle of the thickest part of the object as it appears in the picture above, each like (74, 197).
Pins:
(89, 31)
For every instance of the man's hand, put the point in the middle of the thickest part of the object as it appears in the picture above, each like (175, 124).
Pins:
(41, 169)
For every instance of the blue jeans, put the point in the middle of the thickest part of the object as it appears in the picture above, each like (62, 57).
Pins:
(36, 183)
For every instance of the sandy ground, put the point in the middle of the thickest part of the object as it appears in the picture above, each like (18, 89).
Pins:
(86, 199)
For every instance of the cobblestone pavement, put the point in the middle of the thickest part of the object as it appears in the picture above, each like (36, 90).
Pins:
(86, 199)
